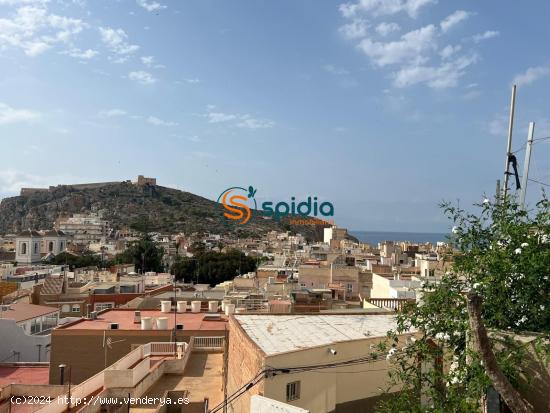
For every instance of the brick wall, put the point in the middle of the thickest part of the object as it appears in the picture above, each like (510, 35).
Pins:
(245, 360)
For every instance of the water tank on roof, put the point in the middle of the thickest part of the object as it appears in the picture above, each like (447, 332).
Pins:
(195, 306)
(162, 323)
(146, 323)
(165, 306)
(182, 306)
(229, 309)
(213, 306)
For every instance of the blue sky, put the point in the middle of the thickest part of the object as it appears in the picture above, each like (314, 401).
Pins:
(384, 108)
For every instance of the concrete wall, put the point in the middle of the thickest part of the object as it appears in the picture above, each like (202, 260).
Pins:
(244, 361)
(13, 338)
(331, 390)
(314, 277)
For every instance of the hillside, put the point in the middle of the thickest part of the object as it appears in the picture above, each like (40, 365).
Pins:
(150, 207)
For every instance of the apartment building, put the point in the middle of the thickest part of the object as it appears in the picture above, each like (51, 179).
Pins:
(84, 228)
(125, 329)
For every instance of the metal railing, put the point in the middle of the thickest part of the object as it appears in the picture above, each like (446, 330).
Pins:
(217, 342)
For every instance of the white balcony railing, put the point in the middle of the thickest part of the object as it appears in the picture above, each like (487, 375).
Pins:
(217, 342)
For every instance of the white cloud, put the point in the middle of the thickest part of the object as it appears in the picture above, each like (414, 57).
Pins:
(484, 36)
(354, 30)
(153, 120)
(82, 54)
(219, 117)
(453, 19)
(147, 60)
(242, 121)
(247, 121)
(34, 30)
(140, 76)
(530, 75)
(383, 7)
(449, 51)
(193, 80)
(111, 113)
(411, 45)
(116, 41)
(335, 70)
(11, 115)
(438, 77)
(383, 29)
(150, 5)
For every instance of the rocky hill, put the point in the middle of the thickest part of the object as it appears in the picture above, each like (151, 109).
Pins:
(148, 207)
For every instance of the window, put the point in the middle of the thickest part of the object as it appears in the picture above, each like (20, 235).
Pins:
(292, 391)
(24, 248)
(61, 246)
(50, 246)
(76, 308)
(36, 247)
(103, 306)
(349, 288)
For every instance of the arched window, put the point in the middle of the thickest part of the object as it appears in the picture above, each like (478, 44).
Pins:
(61, 246)
(36, 247)
(50, 246)
(23, 248)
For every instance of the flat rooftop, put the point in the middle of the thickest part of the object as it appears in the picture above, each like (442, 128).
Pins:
(13, 374)
(283, 333)
(23, 311)
(125, 320)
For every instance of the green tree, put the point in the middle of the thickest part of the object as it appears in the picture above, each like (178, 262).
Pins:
(77, 261)
(499, 282)
(144, 253)
(213, 267)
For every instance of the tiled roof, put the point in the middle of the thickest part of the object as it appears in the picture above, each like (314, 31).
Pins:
(52, 285)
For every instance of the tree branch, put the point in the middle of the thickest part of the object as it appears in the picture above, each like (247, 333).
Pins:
(482, 346)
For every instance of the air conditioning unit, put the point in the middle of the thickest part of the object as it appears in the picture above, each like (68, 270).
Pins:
(5, 308)
(93, 315)
(114, 326)
(179, 326)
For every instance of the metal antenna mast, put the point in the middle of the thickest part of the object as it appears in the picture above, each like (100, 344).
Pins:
(509, 146)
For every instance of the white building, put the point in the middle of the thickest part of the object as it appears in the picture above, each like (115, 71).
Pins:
(27, 247)
(84, 228)
(54, 242)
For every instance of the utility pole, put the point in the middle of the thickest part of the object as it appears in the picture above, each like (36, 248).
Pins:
(525, 176)
(509, 145)
(498, 193)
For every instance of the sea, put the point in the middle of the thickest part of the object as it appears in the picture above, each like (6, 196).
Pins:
(374, 237)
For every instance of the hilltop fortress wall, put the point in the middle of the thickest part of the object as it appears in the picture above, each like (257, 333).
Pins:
(141, 181)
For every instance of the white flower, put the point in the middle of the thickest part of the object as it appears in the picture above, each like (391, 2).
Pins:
(542, 307)
(517, 251)
(475, 286)
(442, 336)
(486, 201)
(455, 230)
(524, 245)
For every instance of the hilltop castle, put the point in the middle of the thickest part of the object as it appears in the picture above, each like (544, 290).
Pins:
(141, 181)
